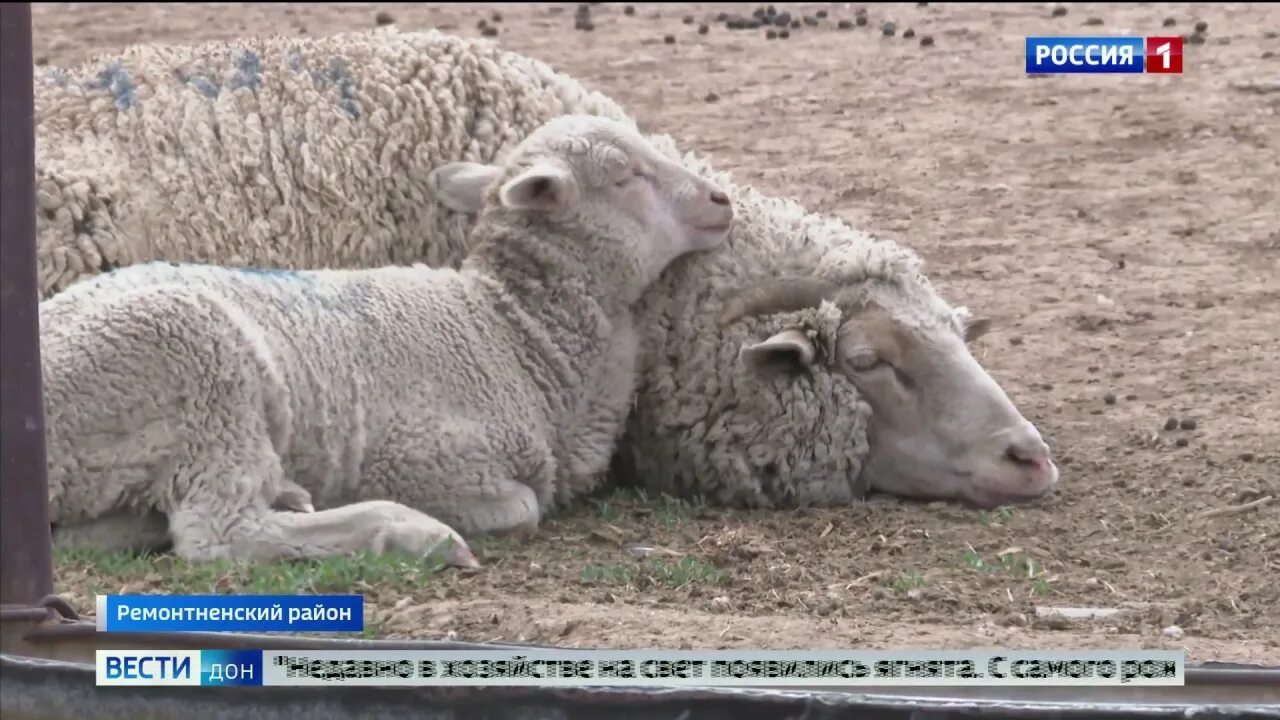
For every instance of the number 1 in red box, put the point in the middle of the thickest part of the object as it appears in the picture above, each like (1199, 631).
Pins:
(1164, 55)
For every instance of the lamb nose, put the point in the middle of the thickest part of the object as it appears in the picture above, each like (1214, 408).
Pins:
(719, 197)
(1033, 452)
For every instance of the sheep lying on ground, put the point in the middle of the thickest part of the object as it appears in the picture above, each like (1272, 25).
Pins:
(881, 392)
(436, 402)
(278, 152)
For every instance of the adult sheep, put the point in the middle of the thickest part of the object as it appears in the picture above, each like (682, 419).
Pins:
(412, 403)
(298, 153)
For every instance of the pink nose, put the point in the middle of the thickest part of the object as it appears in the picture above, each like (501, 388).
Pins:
(719, 197)
(1030, 452)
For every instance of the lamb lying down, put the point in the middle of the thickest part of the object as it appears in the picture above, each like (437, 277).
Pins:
(413, 405)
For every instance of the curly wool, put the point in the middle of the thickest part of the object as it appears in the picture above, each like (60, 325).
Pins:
(700, 423)
(277, 152)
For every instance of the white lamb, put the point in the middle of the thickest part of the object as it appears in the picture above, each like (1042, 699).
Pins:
(314, 152)
(412, 404)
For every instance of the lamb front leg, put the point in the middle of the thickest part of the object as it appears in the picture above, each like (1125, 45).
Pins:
(204, 531)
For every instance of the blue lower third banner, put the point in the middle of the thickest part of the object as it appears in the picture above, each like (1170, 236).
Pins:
(196, 668)
(230, 613)
(1102, 54)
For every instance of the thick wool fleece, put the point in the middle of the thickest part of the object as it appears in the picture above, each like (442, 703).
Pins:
(700, 423)
(195, 391)
(278, 152)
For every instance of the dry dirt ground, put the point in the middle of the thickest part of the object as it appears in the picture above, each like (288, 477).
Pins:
(1124, 231)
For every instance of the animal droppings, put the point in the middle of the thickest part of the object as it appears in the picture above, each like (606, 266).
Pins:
(1182, 442)
(752, 24)
(795, 24)
(908, 34)
(1171, 424)
(1196, 39)
(844, 25)
(784, 34)
(1059, 11)
(384, 18)
(1109, 398)
(820, 14)
(629, 10)
(1187, 424)
(491, 31)
(722, 17)
(888, 29)
(862, 20)
(810, 20)
(926, 40)
(1130, 397)
(703, 29)
(782, 19)
(496, 17)
(1265, 56)
(1093, 21)
(1247, 456)
(669, 39)
(770, 35)
(711, 97)
(1202, 26)
(688, 20)
(584, 25)
(1170, 22)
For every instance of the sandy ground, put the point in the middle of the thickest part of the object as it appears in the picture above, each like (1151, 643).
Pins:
(1124, 231)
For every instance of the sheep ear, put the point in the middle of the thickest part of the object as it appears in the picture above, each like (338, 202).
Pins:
(790, 349)
(974, 327)
(460, 186)
(546, 187)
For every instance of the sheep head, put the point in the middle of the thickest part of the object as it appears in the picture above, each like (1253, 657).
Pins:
(940, 426)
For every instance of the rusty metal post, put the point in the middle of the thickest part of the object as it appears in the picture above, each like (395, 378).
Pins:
(26, 562)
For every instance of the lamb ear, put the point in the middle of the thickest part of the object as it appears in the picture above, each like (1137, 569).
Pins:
(791, 349)
(974, 327)
(460, 186)
(546, 187)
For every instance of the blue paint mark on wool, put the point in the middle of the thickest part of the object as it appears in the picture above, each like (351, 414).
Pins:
(57, 76)
(115, 79)
(338, 75)
(206, 88)
(295, 61)
(248, 71)
(278, 273)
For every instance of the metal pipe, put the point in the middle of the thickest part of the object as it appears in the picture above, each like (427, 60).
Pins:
(26, 558)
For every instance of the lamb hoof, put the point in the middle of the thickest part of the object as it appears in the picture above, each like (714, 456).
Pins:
(462, 557)
(294, 497)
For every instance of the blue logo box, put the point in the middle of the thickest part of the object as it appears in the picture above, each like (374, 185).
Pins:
(1091, 55)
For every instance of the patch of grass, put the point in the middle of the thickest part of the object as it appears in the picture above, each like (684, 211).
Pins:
(688, 570)
(609, 574)
(1014, 564)
(669, 511)
(107, 573)
(1000, 516)
(909, 581)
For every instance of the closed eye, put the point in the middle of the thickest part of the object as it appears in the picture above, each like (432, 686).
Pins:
(880, 365)
(636, 174)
